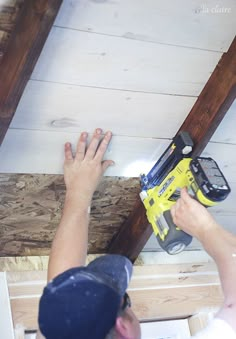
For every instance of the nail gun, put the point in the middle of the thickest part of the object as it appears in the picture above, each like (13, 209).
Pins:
(161, 187)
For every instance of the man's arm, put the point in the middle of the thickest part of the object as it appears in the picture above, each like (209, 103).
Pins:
(194, 219)
(82, 173)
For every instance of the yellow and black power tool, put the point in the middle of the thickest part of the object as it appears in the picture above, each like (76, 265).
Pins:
(162, 185)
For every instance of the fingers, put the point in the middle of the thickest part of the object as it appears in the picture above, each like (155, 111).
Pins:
(95, 149)
(106, 164)
(178, 208)
(92, 148)
(81, 146)
(103, 146)
(68, 152)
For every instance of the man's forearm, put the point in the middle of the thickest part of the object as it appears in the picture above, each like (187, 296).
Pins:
(69, 247)
(221, 246)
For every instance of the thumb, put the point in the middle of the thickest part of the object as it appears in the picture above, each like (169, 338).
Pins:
(106, 164)
(184, 195)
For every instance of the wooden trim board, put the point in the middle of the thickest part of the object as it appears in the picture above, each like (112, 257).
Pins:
(157, 291)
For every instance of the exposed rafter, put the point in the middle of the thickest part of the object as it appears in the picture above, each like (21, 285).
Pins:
(202, 121)
(33, 24)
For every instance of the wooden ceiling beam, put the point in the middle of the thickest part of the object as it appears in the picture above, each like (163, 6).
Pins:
(202, 121)
(33, 24)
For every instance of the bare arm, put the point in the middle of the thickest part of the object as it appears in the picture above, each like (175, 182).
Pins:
(194, 219)
(82, 174)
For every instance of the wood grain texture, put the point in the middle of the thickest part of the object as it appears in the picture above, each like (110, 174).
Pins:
(22, 53)
(20, 267)
(68, 108)
(104, 61)
(9, 10)
(188, 23)
(30, 263)
(202, 121)
(214, 101)
(33, 151)
(157, 291)
(166, 303)
(34, 286)
(31, 206)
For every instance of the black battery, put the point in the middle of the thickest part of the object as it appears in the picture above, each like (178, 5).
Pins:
(209, 179)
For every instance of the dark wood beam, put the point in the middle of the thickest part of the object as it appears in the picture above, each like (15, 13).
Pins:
(33, 24)
(202, 121)
(213, 102)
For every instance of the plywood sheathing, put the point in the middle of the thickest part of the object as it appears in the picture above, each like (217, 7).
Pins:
(31, 205)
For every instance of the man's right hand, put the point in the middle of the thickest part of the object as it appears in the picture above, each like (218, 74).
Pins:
(193, 218)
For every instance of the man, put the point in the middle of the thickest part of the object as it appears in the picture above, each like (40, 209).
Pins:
(90, 302)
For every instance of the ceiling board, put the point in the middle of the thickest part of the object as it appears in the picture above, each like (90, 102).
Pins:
(183, 23)
(113, 62)
(33, 151)
(67, 108)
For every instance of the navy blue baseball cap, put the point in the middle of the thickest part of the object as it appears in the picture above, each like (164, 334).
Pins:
(83, 302)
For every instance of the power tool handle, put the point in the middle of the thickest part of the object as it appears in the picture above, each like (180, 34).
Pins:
(175, 237)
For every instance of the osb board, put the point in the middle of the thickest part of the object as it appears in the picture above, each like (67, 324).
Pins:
(31, 205)
(9, 10)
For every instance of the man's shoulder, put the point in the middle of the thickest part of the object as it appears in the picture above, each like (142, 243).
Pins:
(217, 328)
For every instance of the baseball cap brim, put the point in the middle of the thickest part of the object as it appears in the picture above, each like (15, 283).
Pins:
(117, 267)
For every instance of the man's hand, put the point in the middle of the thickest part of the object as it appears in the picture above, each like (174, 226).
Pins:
(193, 218)
(83, 172)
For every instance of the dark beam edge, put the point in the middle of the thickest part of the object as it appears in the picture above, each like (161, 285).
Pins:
(23, 50)
(136, 230)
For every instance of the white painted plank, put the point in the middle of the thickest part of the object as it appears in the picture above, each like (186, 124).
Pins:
(29, 151)
(172, 329)
(209, 25)
(6, 324)
(25, 151)
(82, 58)
(226, 130)
(59, 107)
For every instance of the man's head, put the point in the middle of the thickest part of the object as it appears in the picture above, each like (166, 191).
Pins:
(87, 302)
